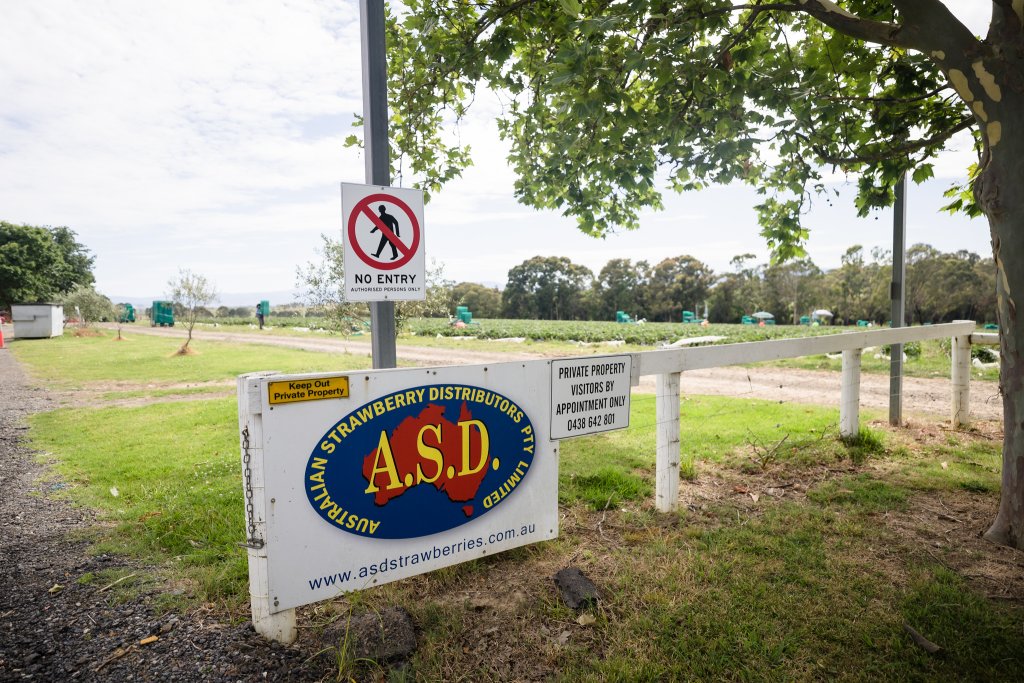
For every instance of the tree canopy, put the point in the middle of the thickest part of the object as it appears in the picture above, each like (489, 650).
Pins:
(40, 263)
(941, 287)
(547, 288)
(89, 305)
(604, 100)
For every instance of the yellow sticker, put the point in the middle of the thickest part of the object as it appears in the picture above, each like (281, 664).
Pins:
(313, 389)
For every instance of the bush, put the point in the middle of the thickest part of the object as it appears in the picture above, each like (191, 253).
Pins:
(910, 349)
(985, 354)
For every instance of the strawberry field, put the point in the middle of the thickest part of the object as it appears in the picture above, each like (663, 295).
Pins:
(647, 334)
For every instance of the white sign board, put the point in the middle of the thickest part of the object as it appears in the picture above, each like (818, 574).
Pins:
(382, 230)
(589, 395)
(392, 473)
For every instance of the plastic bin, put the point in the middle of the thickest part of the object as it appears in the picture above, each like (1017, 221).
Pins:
(163, 314)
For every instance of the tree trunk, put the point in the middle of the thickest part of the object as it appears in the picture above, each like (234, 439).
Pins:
(1001, 195)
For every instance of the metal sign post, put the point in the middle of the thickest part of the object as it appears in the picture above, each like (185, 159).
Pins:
(899, 268)
(378, 161)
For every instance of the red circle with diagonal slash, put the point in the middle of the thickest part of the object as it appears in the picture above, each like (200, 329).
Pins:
(363, 208)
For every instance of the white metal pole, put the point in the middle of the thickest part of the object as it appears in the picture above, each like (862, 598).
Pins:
(666, 489)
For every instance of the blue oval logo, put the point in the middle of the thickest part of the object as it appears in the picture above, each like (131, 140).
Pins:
(420, 461)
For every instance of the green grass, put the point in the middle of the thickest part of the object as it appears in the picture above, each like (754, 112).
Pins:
(71, 361)
(175, 470)
(810, 586)
(969, 465)
(619, 465)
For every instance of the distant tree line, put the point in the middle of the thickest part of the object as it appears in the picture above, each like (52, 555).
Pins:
(939, 287)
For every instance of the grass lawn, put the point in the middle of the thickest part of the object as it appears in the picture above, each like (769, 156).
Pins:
(793, 556)
(143, 362)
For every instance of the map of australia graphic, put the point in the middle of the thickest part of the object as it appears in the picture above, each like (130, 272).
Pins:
(427, 450)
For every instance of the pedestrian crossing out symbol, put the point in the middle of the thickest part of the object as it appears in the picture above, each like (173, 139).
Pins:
(383, 237)
(386, 215)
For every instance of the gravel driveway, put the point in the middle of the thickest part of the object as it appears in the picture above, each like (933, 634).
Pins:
(53, 628)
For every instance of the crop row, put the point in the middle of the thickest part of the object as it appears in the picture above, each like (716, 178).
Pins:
(646, 334)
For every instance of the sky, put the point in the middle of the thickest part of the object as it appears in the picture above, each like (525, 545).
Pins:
(208, 135)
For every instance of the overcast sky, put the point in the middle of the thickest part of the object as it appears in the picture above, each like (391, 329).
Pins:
(207, 134)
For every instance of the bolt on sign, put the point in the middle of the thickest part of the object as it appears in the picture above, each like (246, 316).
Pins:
(382, 229)
(403, 472)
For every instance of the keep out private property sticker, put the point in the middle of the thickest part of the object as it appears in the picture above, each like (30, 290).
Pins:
(420, 461)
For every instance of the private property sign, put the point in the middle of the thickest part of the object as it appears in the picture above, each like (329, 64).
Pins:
(382, 231)
(589, 395)
(315, 389)
(399, 473)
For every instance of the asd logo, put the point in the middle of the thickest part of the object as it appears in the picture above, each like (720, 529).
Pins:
(420, 461)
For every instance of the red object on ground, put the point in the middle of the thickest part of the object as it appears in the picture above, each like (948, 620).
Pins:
(1, 337)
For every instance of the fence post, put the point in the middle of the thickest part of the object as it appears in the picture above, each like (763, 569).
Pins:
(961, 376)
(849, 398)
(666, 489)
(279, 626)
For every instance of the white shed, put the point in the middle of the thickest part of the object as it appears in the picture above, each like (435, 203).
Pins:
(37, 321)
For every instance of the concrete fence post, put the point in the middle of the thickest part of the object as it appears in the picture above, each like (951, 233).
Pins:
(849, 398)
(961, 376)
(666, 489)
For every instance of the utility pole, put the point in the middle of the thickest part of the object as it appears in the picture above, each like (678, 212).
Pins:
(378, 159)
(896, 291)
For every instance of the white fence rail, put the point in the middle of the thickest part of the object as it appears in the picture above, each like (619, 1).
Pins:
(669, 364)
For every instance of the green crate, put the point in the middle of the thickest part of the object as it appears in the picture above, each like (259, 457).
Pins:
(163, 314)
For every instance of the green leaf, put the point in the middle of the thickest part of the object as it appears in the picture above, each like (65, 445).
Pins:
(571, 7)
(923, 173)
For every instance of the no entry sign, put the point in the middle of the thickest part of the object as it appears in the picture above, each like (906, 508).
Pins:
(383, 237)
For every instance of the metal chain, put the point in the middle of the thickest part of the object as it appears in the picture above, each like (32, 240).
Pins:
(253, 541)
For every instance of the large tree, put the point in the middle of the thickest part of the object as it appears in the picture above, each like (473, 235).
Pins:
(678, 284)
(547, 288)
(40, 263)
(602, 97)
(622, 286)
(738, 293)
(482, 301)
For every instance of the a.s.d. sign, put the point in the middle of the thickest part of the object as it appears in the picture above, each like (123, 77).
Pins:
(410, 471)
(419, 461)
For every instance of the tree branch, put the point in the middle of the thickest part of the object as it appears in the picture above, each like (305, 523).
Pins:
(927, 25)
(904, 149)
(847, 23)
